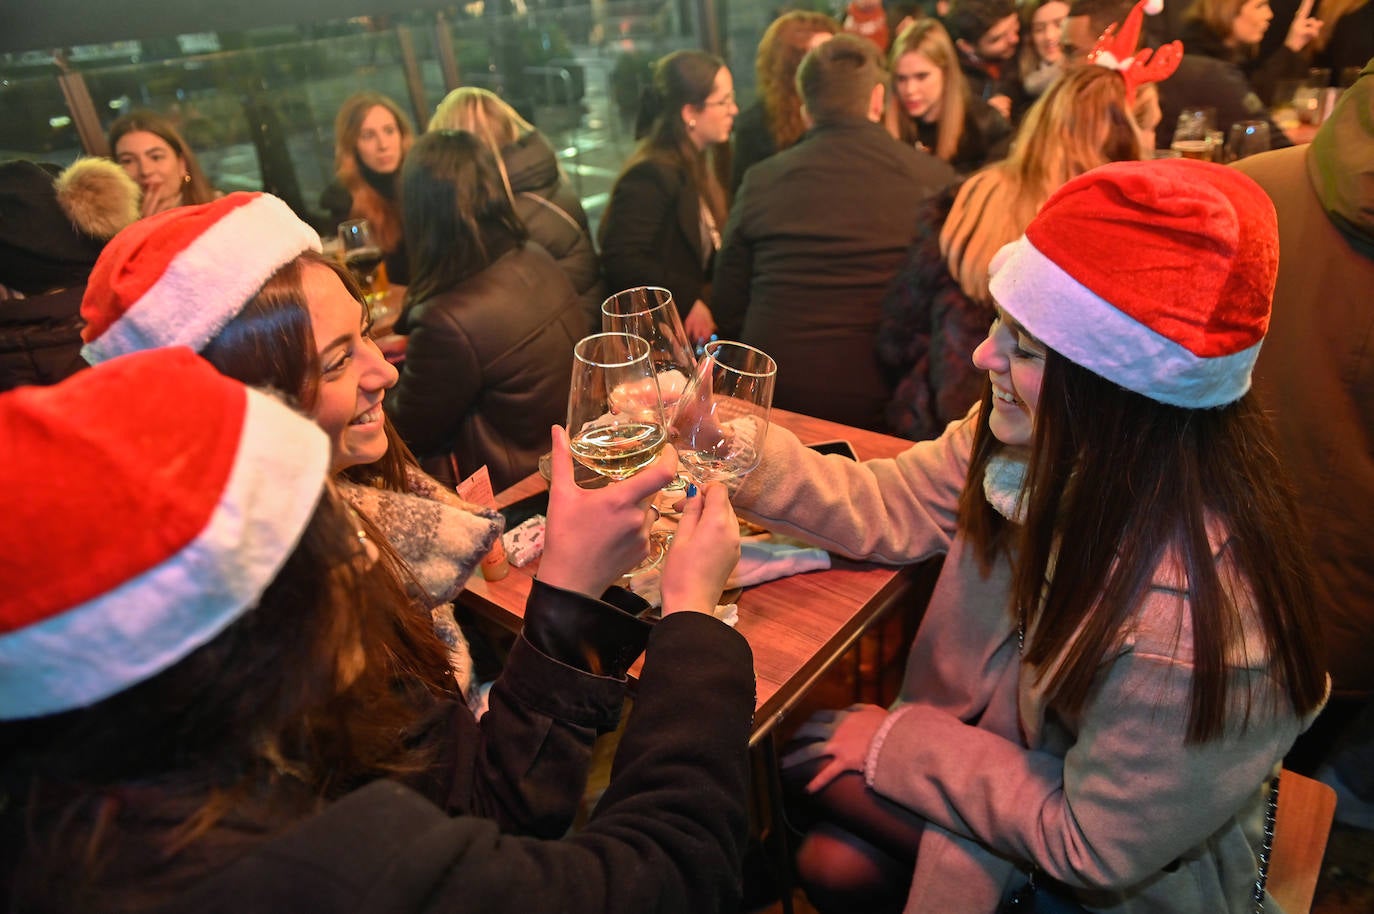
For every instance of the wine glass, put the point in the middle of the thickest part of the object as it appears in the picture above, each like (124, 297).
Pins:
(722, 417)
(615, 415)
(1247, 139)
(362, 256)
(650, 313)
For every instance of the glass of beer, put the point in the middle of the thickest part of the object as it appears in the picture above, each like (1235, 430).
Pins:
(1191, 139)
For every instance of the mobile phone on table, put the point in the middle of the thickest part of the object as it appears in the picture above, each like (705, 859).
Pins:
(516, 513)
(837, 446)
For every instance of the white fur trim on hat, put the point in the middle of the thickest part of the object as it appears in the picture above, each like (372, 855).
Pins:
(207, 284)
(154, 620)
(1089, 331)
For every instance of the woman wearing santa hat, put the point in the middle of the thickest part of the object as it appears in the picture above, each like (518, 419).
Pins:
(212, 699)
(1122, 644)
(242, 281)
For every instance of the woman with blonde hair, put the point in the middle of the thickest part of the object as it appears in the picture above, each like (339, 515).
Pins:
(774, 122)
(930, 105)
(538, 189)
(938, 308)
(371, 138)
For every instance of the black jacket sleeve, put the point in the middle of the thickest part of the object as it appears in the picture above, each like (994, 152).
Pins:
(667, 836)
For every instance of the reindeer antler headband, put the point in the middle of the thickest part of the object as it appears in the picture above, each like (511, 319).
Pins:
(1116, 50)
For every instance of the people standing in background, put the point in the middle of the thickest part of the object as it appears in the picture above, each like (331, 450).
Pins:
(930, 106)
(371, 138)
(1231, 30)
(986, 34)
(938, 308)
(151, 151)
(53, 226)
(539, 190)
(774, 122)
(490, 317)
(800, 274)
(662, 224)
(1041, 57)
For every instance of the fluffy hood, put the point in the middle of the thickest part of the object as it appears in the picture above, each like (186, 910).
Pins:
(98, 197)
(1340, 166)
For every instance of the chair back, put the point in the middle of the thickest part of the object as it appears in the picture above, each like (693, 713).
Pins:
(1301, 826)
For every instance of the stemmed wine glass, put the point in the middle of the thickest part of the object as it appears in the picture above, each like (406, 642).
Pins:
(650, 313)
(363, 256)
(722, 417)
(616, 425)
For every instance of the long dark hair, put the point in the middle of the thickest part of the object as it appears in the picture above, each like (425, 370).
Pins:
(682, 78)
(1116, 482)
(270, 343)
(198, 189)
(458, 215)
(323, 686)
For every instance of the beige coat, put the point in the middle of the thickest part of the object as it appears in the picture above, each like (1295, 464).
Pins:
(1109, 800)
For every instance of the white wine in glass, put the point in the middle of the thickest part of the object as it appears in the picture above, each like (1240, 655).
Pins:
(615, 415)
(722, 418)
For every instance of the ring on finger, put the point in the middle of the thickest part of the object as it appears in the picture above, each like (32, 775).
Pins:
(657, 513)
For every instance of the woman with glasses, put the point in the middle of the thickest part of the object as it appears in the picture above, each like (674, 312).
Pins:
(663, 222)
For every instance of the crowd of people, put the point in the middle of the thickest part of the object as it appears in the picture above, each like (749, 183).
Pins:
(233, 665)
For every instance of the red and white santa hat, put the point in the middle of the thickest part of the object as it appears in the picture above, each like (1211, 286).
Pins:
(1156, 275)
(160, 498)
(176, 279)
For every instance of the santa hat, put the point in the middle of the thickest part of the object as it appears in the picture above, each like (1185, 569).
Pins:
(176, 279)
(1156, 275)
(54, 224)
(160, 500)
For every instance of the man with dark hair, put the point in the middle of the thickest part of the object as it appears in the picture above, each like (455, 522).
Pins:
(816, 233)
(986, 34)
(1199, 82)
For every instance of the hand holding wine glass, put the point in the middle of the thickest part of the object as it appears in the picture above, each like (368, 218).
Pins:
(703, 554)
(722, 417)
(593, 535)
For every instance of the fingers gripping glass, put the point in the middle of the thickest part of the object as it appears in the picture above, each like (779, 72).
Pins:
(616, 424)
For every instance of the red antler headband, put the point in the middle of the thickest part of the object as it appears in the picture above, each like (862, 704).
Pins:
(1116, 50)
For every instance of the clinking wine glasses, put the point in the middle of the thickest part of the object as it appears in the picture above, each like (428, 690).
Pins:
(722, 418)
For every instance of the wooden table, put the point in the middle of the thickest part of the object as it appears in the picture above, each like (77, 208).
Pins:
(798, 626)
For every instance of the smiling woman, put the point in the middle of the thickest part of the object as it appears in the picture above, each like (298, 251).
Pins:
(151, 151)
(279, 315)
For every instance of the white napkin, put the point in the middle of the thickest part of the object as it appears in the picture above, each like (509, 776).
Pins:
(765, 557)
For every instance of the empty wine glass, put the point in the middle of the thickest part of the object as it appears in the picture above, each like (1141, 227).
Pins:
(1247, 139)
(650, 313)
(616, 425)
(722, 417)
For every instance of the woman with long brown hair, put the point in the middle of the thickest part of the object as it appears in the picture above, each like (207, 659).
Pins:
(266, 308)
(938, 307)
(1122, 643)
(774, 122)
(371, 138)
(668, 207)
(152, 152)
(1231, 30)
(929, 103)
(213, 696)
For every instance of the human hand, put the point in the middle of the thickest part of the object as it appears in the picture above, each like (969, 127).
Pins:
(844, 736)
(158, 198)
(1303, 28)
(704, 551)
(1003, 104)
(699, 324)
(593, 535)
